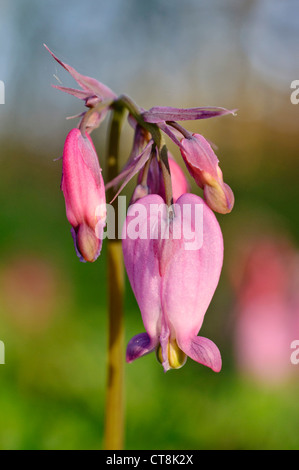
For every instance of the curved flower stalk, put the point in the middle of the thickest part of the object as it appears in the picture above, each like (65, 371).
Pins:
(173, 284)
(179, 181)
(197, 153)
(84, 193)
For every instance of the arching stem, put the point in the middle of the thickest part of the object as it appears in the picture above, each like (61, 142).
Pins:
(114, 418)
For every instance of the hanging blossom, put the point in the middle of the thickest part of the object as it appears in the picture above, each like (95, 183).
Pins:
(84, 193)
(173, 283)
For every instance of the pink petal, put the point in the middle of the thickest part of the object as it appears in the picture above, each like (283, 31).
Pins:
(81, 94)
(82, 182)
(179, 182)
(199, 157)
(87, 83)
(202, 350)
(191, 275)
(219, 197)
(174, 285)
(142, 263)
(166, 113)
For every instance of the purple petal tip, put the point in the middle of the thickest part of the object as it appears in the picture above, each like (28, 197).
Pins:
(138, 346)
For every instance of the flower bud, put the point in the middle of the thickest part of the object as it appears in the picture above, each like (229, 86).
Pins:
(84, 193)
(203, 165)
(87, 242)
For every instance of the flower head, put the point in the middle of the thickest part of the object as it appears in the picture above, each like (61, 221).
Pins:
(173, 280)
(84, 193)
(203, 165)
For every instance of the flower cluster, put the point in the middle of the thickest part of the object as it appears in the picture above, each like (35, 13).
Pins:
(173, 285)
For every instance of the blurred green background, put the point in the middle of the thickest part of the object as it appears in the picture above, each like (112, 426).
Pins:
(236, 54)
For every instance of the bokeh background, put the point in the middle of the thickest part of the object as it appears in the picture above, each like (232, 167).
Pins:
(237, 54)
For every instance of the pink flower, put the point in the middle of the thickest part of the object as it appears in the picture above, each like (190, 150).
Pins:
(202, 164)
(265, 312)
(84, 193)
(173, 279)
(179, 182)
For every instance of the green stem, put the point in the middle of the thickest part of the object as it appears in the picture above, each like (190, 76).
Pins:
(164, 163)
(114, 418)
(134, 110)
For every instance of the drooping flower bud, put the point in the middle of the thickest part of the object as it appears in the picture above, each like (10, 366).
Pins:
(84, 193)
(203, 166)
(174, 268)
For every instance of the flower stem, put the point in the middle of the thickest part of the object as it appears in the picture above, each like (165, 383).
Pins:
(114, 418)
(167, 180)
(134, 110)
(180, 128)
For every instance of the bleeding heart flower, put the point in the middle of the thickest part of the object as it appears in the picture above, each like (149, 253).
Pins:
(173, 280)
(202, 164)
(84, 193)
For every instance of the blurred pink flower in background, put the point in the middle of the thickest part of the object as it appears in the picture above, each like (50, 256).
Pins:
(30, 290)
(267, 309)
